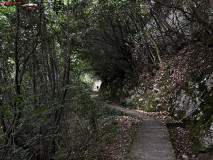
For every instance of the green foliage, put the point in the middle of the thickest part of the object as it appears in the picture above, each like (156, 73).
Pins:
(107, 111)
(52, 53)
(4, 110)
(107, 138)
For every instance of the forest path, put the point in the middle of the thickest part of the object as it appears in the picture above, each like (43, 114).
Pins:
(153, 142)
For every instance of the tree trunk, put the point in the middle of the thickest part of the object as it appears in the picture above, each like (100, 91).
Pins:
(67, 67)
(156, 48)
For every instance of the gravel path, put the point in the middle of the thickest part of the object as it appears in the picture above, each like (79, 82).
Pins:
(153, 142)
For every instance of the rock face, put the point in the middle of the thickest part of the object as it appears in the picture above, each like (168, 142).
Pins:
(194, 105)
(130, 95)
(186, 105)
(191, 102)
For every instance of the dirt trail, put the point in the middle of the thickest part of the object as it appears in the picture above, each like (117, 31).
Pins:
(153, 142)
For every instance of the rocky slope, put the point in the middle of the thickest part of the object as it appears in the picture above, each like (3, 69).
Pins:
(182, 85)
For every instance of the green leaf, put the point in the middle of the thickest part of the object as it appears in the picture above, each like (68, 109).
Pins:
(22, 120)
(16, 98)
(5, 111)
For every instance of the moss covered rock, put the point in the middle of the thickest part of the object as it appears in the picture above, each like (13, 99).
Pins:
(194, 105)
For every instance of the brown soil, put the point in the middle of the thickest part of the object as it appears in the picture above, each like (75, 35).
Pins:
(114, 145)
(121, 143)
(194, 59)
